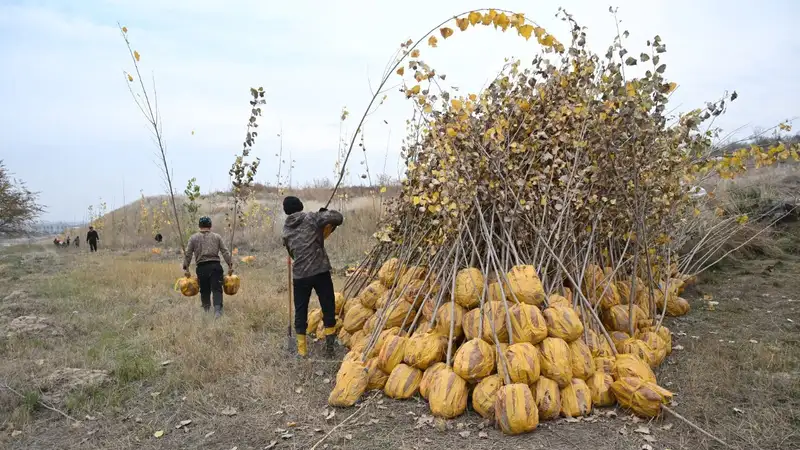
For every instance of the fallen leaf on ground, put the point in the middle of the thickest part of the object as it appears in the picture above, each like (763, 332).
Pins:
(318, 373)
(667, 427)
(483, 434)
(349, 437)
(228, 411)
(183, 423)
(464, 434)
(15, 433)
(158, 433)
(647, 447)
(166, 363)
(737, 410)
(642, 430)
(677, 347)
(330, 415)
(291, 424)
(299, 390)
(209, 434)
(753, 341)
(571, 420)
(318, 430)
(271, 445)
(649, 438)
(373, 421)
(326, 380)
(287, 436)
(623, 431)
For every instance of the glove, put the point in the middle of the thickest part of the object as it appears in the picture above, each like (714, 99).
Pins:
(323, 209)
(187, 274)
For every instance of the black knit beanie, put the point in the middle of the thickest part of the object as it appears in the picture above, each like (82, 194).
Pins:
(292, 205)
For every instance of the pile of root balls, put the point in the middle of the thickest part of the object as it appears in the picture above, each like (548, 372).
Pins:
(537, 244)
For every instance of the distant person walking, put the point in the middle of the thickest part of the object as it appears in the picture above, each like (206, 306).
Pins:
(77, 241)
(68, 241)
(92, 237)
(159, 238)
(205, 246)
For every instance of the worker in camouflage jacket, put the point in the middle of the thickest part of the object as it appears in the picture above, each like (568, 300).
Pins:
(304, 238)
(206, 246)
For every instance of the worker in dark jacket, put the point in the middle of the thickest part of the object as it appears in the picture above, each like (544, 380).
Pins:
(92, 237)
(303, 237)
(205, 246)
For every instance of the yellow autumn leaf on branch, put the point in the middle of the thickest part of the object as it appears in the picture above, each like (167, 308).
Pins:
(525, 31)
(474, 17)
(547, 41)
(446, 32)
(428, 108)
(124, 29)
(414, 90)
(456, 104)
(451, 132)
(130, 77)
(673, 86)
(415, 54)
(462, 23)
(401, 71)
(415, 200)
(383, 189)
(432, 41)
(538, 32)
(501, 20)
(136, 55)
(488, 18)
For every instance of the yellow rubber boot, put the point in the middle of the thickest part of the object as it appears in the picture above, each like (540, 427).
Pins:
(302, 347)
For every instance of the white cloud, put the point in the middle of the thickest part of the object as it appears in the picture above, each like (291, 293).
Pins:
(64, 96)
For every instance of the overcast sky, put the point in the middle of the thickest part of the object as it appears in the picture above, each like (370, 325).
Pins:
(69, 127)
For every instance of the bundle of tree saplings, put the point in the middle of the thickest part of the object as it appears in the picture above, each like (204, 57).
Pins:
(536, 247)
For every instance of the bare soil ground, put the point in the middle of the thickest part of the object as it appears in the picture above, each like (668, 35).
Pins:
(107, 343)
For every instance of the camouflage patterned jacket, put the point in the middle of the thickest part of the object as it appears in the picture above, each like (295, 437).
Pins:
(303, 238)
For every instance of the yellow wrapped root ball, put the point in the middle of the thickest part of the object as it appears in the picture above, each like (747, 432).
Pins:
(397, 312)
(563, 323)
(470, 324)
(355, 318)
(494, 313)
(392, 353)
(600, 386)
(606, 295)
(351, 382)
(321, 329)
(376, 378)
(390, 272)
(642, 350)
(677, 307)
(522, 363)
(447, 395)
(581, 360)
(618, 317)
(345, 337)
(662, 332)
(338, 302)
(628, 365)
(657, 344)
(314, 319)
(423, 351)
(485, 394)
(642, 397)
(230, 284)
(515, 409)
(555, 300)
(189, 286)
(411, 273)
(556, 360)
(576, 399)
(618, 337)
(370, 294)
(527, 324)
(524, 285)
(450, 313)
(475, 359)
(469, 287)
(496, 293)
(548, 398)
(371, 324)
(605, 364)
(403, 382)
(427, 378)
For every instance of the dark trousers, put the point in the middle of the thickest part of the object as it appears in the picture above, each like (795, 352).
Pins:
(322, 284)
(209, 277)
(92, 246)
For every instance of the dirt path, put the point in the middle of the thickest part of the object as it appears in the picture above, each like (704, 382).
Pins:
(735, 370)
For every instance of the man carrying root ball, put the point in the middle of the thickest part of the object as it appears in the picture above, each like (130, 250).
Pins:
(304, 238)
(205, 246)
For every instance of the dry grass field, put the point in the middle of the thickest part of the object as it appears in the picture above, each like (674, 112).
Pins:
(100, 352)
